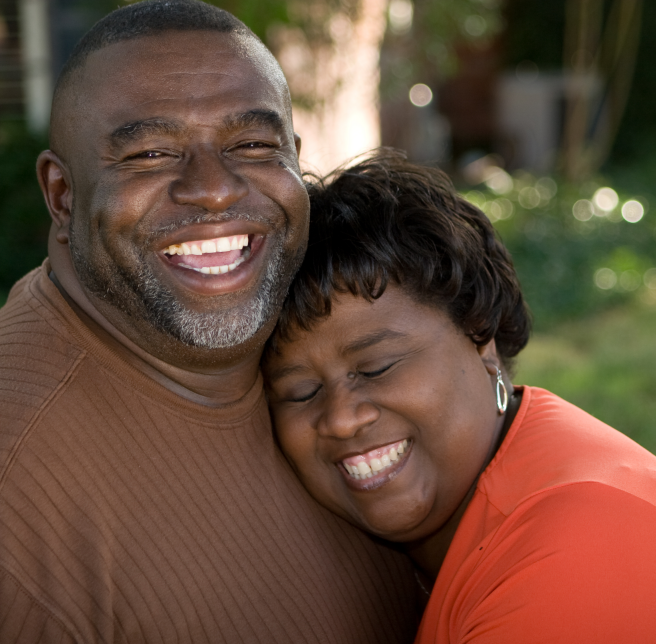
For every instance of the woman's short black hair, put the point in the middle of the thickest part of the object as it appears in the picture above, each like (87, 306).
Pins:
(388, 220)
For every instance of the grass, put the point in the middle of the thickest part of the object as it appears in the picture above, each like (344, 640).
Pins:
(605, 364)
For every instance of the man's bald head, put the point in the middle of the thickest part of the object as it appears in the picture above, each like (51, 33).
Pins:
(172, 124)
(146, 18)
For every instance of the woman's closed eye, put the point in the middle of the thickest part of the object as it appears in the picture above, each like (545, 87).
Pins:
(376, 372)
(302, 396)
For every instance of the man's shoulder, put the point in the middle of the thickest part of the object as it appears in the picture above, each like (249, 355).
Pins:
(36, 356)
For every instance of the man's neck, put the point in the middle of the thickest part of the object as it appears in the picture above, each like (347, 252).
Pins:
(210, 383)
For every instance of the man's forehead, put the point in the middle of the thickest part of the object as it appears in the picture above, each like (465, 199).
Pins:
(177, 67)
(175, 52)
(170, 74)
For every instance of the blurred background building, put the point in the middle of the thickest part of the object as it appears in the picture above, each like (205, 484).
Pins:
(542, 112)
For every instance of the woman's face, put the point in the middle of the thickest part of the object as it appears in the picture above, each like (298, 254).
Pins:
(387, 412)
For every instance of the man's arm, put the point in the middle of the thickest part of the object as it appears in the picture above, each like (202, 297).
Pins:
(23, 620)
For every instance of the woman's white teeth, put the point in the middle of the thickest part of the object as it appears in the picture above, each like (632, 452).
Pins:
(367, 469)
(216, 270)
(218, 245)
(363, 469)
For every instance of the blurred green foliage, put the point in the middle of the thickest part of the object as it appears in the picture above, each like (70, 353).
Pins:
(557, 255)
(591, 285)
(605, 364)
(24, 219)
(258, 15)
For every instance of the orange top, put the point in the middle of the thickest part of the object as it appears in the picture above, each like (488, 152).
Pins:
(558, 543)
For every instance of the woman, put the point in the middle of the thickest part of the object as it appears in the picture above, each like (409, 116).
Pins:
(388, 379)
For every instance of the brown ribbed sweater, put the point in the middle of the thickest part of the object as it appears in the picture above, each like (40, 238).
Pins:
(130, 514)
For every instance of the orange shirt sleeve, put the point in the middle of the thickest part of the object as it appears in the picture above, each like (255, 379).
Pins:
(572, 565)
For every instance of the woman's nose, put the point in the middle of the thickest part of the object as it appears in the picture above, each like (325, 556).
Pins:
(208, 182)
(345, 413)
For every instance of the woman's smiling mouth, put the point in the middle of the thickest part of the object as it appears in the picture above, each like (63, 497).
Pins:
(371, 469)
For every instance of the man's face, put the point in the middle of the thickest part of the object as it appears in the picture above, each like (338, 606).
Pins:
(189, 210)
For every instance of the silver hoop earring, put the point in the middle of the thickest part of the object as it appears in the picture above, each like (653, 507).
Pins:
(502, 394)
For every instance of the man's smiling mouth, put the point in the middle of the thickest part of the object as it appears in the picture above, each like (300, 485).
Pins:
(210, 256)
(368, 465)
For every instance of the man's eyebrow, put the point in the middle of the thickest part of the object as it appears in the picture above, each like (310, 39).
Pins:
(135, 130)
(371, 339)
(261, 118)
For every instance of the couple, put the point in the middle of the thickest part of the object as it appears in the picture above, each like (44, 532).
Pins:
(143, 497)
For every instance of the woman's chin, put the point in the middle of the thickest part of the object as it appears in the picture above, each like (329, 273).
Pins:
(396, 522)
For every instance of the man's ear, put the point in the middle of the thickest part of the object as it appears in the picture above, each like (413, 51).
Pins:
(55, 183)
(297, 143)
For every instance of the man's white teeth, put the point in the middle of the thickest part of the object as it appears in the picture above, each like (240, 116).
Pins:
(216, 270)
(365, 470)
(218, 245)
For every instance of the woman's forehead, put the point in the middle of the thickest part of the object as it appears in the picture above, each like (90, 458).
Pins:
(356, 323)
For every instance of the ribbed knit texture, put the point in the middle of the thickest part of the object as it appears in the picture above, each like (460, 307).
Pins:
(129, 514)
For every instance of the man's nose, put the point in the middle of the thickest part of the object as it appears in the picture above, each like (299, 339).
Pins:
(345, 413)
(208, 182)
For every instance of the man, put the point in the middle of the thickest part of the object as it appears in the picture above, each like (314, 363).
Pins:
(141, 495)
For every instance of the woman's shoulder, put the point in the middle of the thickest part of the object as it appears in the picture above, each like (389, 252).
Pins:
(574, 564)
(556, 545)
(552, 444)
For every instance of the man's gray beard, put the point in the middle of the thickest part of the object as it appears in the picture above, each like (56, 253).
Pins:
(140, 294)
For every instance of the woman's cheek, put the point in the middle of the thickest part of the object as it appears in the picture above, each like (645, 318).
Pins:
(291, 435)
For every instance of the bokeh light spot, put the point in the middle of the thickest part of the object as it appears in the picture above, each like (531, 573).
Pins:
(547, 188)
(400, 15)
(605, 199)
(649, 278)
(633, 211)
(498, 180)
(529, 197)
(605, 279)
(507, 208)
(421, 95)
(583, 210)
(498, 209)
(475, 25)
(477, 198)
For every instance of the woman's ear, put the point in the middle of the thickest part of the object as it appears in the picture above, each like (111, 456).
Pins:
(490, 357)
(494, 367)
(55, 183)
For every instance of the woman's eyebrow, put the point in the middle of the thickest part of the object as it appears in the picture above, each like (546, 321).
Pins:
(371, 339)
(368, 340)
(282, 372)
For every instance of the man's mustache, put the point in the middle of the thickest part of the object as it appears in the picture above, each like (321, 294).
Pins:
(204, 218)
